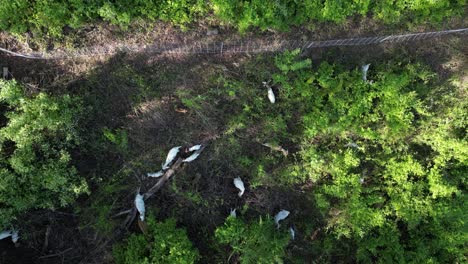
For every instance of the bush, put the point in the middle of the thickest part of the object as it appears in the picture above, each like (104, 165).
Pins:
(256, 242)
(164, 243)
(35, 146)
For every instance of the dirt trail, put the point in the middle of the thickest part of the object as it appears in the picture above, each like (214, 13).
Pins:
(252, 45)
(107, 40)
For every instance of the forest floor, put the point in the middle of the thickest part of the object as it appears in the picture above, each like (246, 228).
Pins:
(155, 102)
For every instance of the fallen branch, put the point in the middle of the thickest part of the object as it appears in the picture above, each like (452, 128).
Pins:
(277, 148)
(162, 180)
(314, 235)
(167, 175)
(122, 213)
(130, 218)
(56, 254)
(46, 239)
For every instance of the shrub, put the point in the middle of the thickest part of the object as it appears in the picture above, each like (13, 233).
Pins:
(35, 146)
(164, 243)
(255, 242)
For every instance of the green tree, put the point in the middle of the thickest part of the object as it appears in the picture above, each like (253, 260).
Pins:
(255, 242)
(35, 146)
(164, 243)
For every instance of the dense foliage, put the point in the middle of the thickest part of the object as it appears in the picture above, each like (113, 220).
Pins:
(255, 242)
(164, 243)
(282, 14)
(50, 16)
(36, 141)
(385, 163)
(388, 156)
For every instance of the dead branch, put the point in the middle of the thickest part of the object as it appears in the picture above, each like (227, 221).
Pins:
(56, 254)
(122, 213)
(167, 175)
(314, 235)
(46, 239)
(130, 218)
(277, 148)
(133, 212)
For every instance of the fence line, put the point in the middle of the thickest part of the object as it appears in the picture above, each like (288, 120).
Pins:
(226, 47)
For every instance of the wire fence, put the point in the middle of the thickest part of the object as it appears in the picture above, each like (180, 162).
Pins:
(227, 47)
